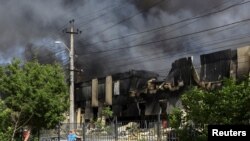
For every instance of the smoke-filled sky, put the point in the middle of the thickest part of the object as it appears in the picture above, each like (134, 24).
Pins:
(120, 35)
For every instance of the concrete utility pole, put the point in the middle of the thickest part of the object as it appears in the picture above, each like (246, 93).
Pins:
(72, 68)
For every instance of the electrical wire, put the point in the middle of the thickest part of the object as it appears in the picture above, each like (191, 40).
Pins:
(225, 8)
(168, 57)
(116, 58)
(208, 29)
(167, 39)
(128, 18)
(172, 24)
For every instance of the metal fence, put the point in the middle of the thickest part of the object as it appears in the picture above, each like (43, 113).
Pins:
(141, 130)
(172, 136)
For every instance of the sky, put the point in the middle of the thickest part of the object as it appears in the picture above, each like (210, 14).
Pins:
(121, 35)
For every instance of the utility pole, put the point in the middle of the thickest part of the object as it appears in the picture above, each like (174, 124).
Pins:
(72, 68)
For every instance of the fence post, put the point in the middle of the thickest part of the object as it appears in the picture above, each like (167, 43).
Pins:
(116, 129)
(159, 127)
(38, 134)
(58, 130)
(83, 132)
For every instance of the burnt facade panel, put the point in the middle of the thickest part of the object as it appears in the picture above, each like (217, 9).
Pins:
(215, 66)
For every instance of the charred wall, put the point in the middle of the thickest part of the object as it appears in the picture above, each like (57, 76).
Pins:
(131, 85)
(216, 66)
(138, 93)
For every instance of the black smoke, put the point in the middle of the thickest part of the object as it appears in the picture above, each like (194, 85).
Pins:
(29, 29)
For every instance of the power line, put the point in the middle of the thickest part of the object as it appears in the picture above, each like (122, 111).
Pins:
(59, 29)
(62, 27)
(172, 24)
(224, 40)
(217, 31)
(163, 26)
(182, 20)
(199, 45)
(222, 26)
(172, 38)
(170, 31)
(96, 12)
(114, 55)
(84, 23)
(114, 67)
(128, 18)
(164, 57)
(184, 42)
(185, 53)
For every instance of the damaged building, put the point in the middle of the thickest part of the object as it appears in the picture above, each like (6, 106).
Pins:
(138, 94)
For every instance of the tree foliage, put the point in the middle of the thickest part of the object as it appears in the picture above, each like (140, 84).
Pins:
(5, 128)
(107, 112)
(35, 94)
(175, 117)
(229, 104)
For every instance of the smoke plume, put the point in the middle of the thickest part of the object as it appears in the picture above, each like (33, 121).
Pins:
(120, 35)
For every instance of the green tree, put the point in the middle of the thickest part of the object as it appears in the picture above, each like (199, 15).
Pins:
(35, 94)
(107, 112)
(5, 127)
(175, 118)
(229, 104)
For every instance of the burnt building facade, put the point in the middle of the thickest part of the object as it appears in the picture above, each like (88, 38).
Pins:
(138, 94)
